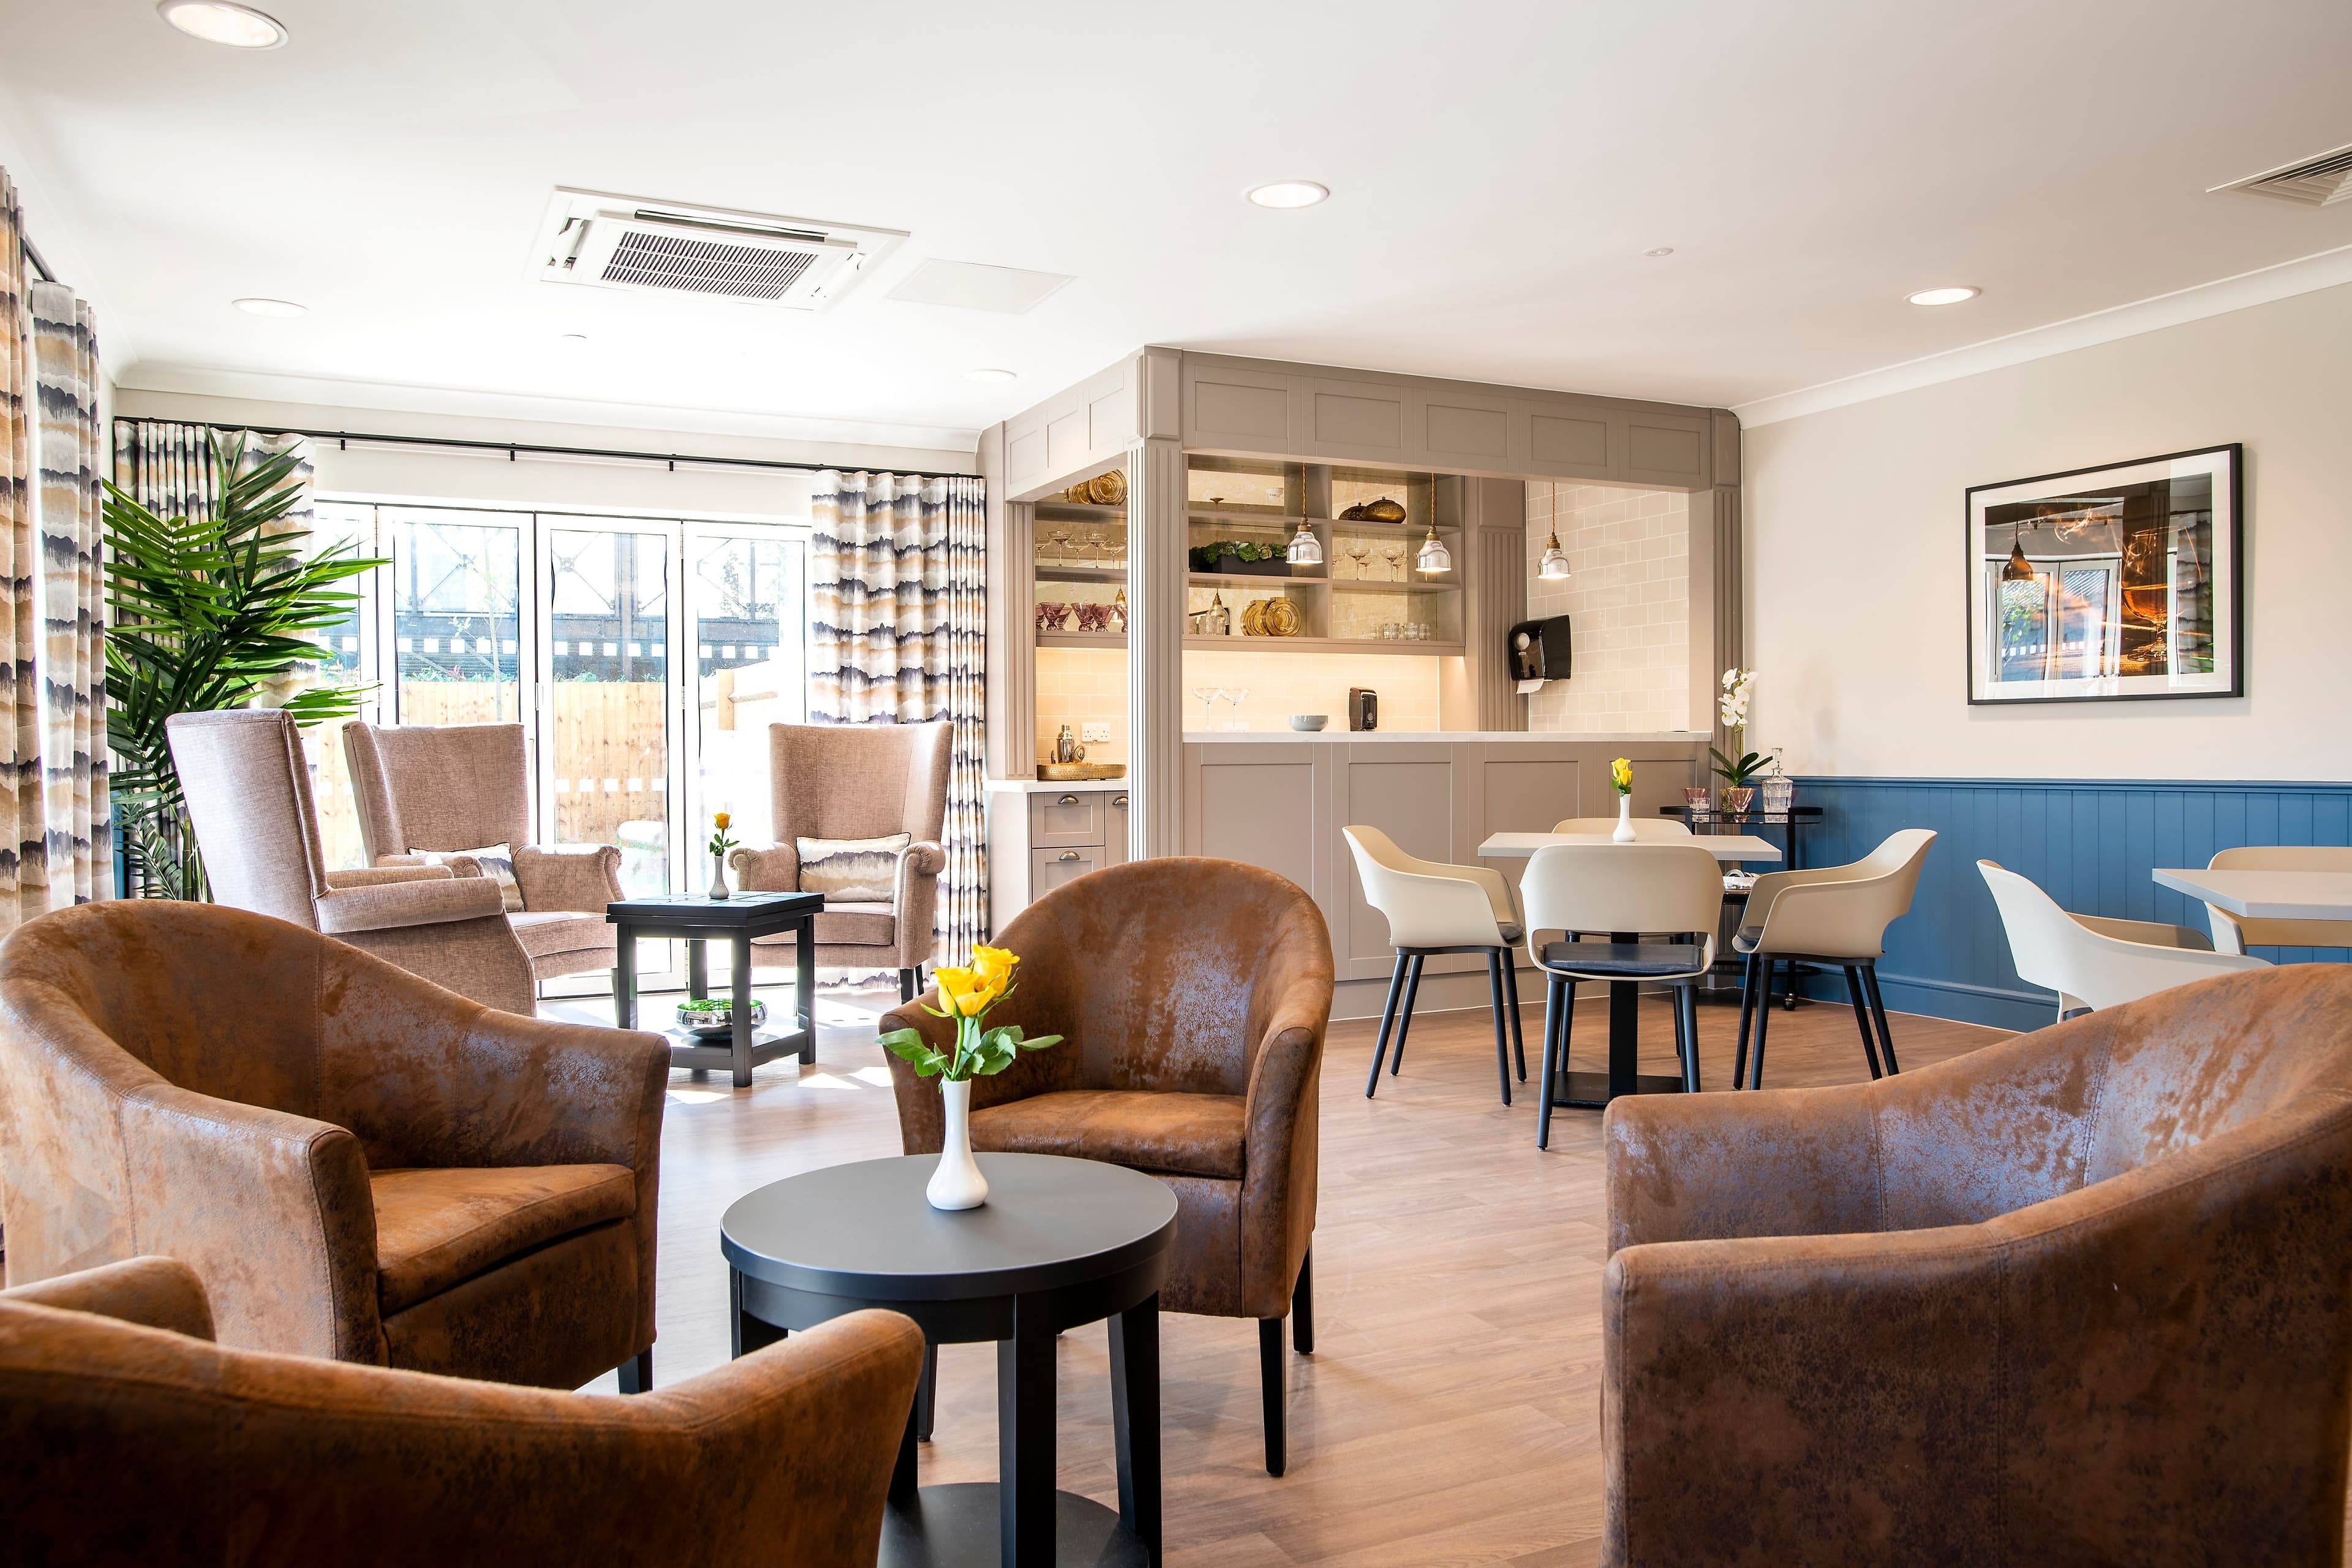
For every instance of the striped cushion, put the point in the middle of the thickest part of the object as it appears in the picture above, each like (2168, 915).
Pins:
(497, 861)
(853, 870)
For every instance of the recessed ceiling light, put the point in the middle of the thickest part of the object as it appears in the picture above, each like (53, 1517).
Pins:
(259, 307)
(218, 22)
(1290, 193)
(1659, 250)
(991, 375)
(1944, 296)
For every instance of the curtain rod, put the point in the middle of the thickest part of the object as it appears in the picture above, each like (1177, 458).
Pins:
(514, 449)
(34, 257)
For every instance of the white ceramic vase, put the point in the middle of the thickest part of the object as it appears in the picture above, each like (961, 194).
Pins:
(1624, 834)
(719, 878)
(957, 1183)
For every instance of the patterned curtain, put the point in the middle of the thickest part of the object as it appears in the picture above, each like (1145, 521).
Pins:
(167, 466)
(23, 836)
(898, 611)
(79, 852)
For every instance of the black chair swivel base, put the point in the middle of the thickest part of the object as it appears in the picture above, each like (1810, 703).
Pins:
(1755, 1011)
(1502, 991)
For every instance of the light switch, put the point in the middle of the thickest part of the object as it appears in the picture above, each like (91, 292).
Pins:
(1094, 732)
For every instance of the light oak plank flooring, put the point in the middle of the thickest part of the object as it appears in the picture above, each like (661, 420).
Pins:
(1450, 1412)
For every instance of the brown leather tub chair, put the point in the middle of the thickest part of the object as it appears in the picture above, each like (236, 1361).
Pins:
(1191, 996)
(363, 1165)
(131, 1438)
(2083, 1297)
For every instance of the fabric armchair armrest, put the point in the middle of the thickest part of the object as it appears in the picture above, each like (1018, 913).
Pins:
(915, 901)
(775, 870)
(273, 1210)
(1780, 1162)
(154, 1292)
(386, 906)
(384, 874)
(585, 878)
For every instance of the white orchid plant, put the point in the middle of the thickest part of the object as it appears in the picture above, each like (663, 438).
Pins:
(1731, 706)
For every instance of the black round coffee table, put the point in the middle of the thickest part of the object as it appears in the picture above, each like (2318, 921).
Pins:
(1060, 1242)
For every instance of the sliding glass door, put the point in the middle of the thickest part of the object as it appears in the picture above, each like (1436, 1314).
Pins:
(645, 657)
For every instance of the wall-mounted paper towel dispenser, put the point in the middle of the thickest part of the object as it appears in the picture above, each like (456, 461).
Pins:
(1537, 651)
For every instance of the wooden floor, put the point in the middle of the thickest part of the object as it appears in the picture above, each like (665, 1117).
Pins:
(1450, 1412)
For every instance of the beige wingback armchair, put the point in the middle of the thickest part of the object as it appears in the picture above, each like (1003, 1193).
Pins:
(857, 781)
(248, 794)
(448, 787)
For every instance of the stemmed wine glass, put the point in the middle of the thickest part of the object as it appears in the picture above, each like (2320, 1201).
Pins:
(1207, 697)
(1237, 695)
(1061, 538)
(1359, 552)
(1394, 556)
(1095, 545)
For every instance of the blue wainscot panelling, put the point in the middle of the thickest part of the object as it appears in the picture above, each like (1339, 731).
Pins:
(2090, 844)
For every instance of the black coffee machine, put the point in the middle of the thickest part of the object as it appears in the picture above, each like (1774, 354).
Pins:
(1538, 650)
(1363, 708)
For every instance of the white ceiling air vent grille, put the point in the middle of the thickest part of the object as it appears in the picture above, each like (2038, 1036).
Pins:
(621, 242)
(2313, 182)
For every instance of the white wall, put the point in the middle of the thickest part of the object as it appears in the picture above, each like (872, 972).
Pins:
(1628, 600)
(1854, 556)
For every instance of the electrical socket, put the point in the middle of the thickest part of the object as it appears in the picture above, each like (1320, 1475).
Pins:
(1091, 732)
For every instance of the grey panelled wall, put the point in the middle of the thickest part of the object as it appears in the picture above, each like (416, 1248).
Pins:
(1494, 515)
(1281, 805)
(1318, 413)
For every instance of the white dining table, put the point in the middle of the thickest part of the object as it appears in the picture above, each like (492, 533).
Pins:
(1730, 847)
(2266, 895)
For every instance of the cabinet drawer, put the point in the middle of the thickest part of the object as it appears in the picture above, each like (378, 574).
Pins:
(1073, 819)
(1049, 868)
(1115, 820)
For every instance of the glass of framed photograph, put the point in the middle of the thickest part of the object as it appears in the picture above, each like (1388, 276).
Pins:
(2108, 584)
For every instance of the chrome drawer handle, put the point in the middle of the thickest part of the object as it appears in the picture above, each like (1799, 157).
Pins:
(1121, 802)
(1068, 800)
(1072, 855)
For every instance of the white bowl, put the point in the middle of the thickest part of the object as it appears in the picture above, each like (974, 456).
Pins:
(1309, 720)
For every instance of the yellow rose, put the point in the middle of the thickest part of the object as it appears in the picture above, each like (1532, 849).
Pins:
(968, 992)
(995, 961)
(721, 819)
(1620, 774)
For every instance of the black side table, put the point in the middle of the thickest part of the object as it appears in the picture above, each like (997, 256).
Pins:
(1060, 1242)
(696, 918)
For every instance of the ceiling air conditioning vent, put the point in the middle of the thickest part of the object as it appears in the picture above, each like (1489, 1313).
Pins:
(2312, 183)
(623, 242)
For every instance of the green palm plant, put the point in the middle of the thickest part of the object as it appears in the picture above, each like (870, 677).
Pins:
(209, 613)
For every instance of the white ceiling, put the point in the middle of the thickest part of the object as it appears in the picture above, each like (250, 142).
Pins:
(1497, 171)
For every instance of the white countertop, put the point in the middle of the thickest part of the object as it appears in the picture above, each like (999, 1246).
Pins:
(1374, 737)
(1054, 786)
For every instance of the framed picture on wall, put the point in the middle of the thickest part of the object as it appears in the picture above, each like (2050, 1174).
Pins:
(2109, 583)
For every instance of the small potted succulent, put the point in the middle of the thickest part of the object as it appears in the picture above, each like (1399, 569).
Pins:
(713, 1018)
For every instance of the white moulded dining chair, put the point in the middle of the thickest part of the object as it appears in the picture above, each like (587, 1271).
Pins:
(1830, 914)
(2231, 934)
(2092, 961)
(1646, 830)
(1575, 889)
(1433, 907)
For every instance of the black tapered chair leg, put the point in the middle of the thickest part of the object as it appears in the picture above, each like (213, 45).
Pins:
(1861, 999)
(1276, 1398)
(1686, 1004)
(1878, 1011)
(637, 1372)
(906, 986)
(1404, 1018)
(927, 1394)
(1555, 1027)
(1763, 1024)
(1387, 1021)
(1502, 1044)
(1302, 1306)
(1747, 1022)
(1511, 1000)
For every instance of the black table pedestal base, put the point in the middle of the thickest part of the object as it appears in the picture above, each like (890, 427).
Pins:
(1590, 1090)
(956, 1527)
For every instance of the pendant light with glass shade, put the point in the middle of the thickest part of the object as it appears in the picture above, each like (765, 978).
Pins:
(1306, 550)
(1554, 565)
(1434, 557)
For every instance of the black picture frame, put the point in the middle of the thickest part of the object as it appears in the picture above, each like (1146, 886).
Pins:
(1992, 672)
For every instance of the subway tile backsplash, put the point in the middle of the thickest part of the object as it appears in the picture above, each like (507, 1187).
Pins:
(1629, 599)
